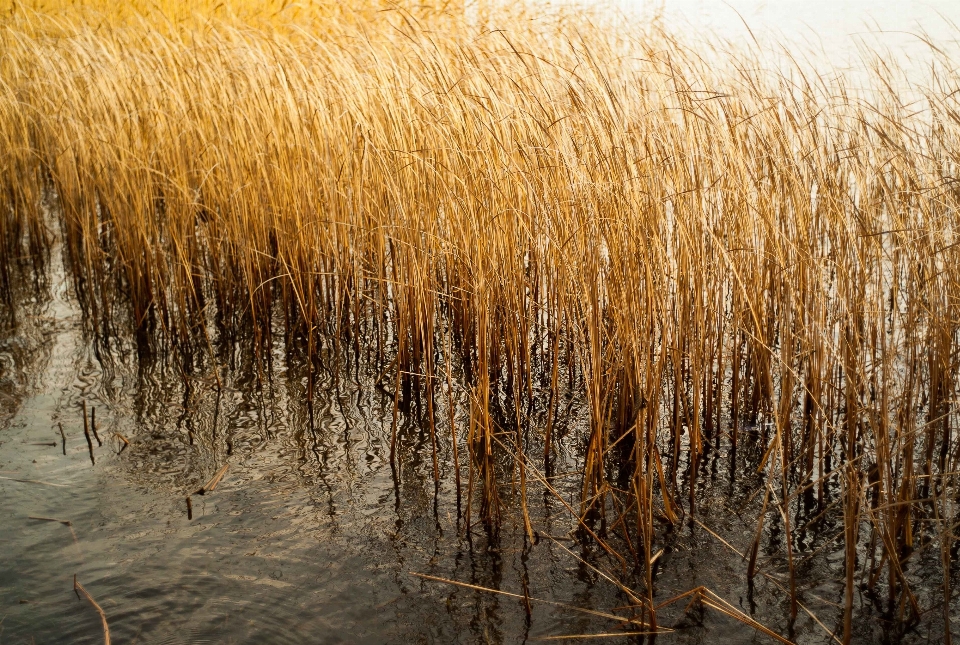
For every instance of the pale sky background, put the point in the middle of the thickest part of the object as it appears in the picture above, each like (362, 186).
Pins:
(835, 26)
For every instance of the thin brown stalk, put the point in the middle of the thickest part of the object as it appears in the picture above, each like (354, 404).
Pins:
(103, 617)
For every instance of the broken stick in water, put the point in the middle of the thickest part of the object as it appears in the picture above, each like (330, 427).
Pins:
(189, 508)
(124, 440)
(103, 617)
(66, 523)
(212, 484)
(33, 481)
(63, 437)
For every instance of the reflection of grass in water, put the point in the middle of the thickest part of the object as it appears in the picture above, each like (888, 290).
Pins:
(686, 239)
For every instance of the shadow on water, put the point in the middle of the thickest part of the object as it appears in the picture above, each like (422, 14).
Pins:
(312, 536)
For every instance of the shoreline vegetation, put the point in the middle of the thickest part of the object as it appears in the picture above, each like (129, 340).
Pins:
(506, 202)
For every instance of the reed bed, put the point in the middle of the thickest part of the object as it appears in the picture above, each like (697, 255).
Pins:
(707, 249)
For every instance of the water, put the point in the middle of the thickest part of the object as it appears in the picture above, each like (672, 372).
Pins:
(307, 539)
(311, 537)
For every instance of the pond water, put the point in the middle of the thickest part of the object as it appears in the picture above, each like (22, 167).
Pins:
(312, 537)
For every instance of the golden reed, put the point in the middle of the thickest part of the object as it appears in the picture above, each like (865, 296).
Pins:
(689, 239)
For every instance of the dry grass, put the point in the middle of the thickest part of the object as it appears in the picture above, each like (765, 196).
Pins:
(688, 240)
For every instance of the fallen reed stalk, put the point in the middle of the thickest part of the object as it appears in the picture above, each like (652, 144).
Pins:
(212, 484)
(77, 587)
(564, 637)
(66, 523)
(521, 597)
(33, 481)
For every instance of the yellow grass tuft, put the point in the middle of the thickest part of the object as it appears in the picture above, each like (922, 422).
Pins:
(689, 239)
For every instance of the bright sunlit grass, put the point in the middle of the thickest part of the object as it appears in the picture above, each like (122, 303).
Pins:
(693, 238)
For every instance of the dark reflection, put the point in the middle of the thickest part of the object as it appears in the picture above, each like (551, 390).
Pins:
(315, 530)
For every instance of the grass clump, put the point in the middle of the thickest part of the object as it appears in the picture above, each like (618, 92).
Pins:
(710, 251)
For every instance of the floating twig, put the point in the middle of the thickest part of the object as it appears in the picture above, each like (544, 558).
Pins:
(103, 617)
(707, 598)
(775, 583)
(66, 523)
(584, 610)
(565, 637)
(124, 440)
(214, 481)
(33, 481)
(62, 437)
(43, 443)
